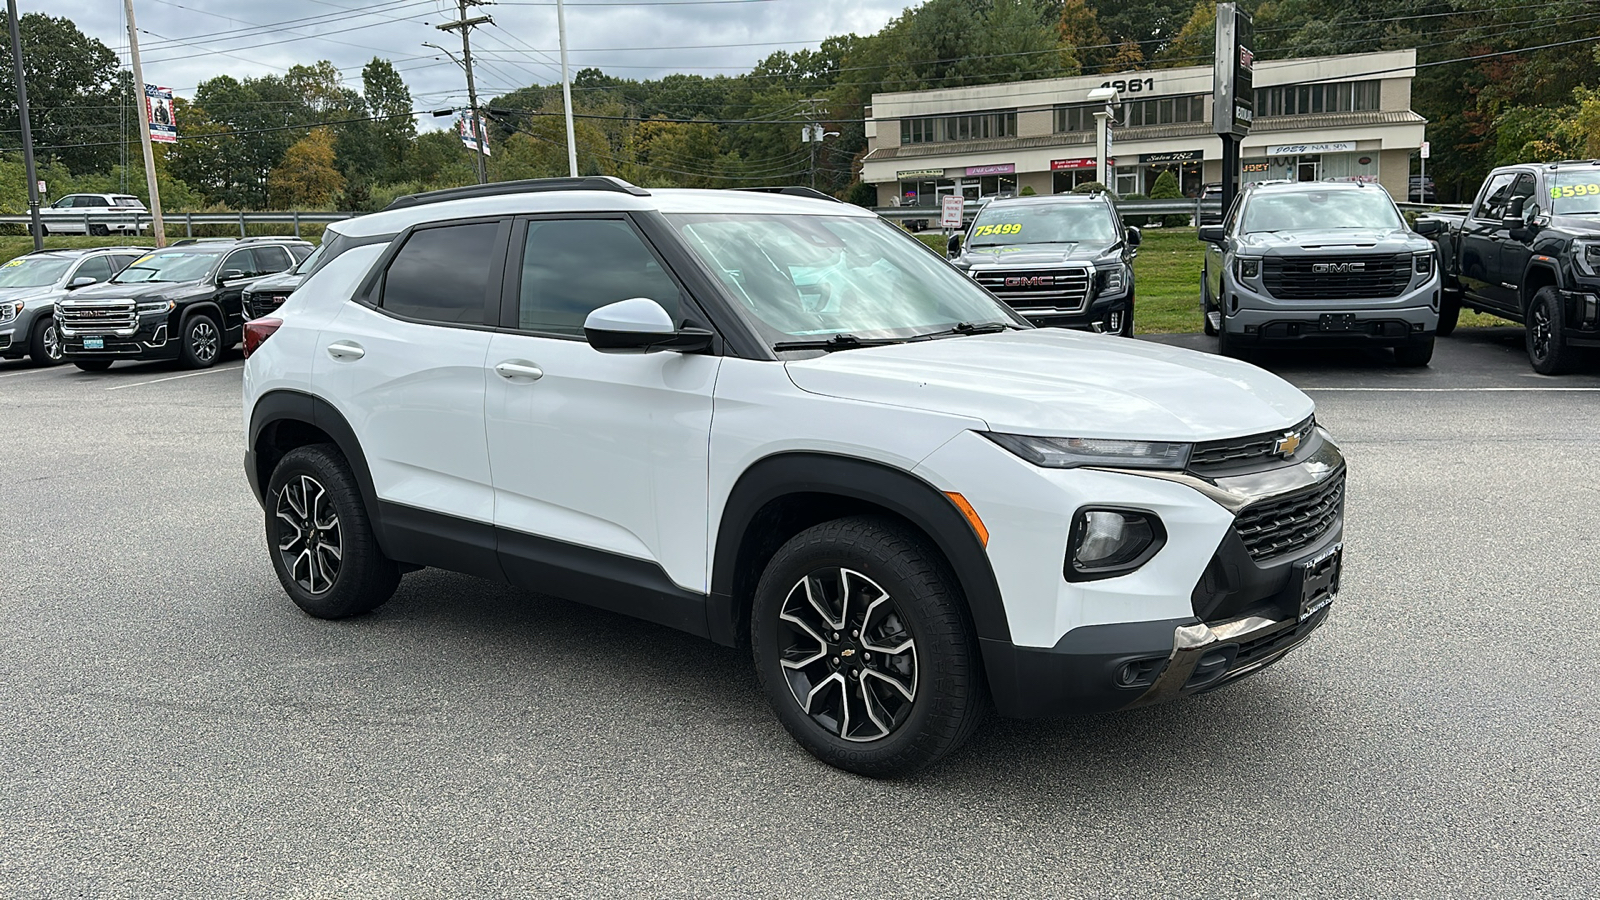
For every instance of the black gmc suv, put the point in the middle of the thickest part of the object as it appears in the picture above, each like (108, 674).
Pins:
(181, 302)
(1063, 260)
(1529, 251)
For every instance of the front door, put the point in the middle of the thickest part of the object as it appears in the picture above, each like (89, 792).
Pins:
(1515, 253)
(1480, 242)
(600, 460)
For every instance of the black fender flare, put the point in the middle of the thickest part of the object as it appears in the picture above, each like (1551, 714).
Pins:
(856, 479)
(278, 406)
(1537, 265)
(209, 307)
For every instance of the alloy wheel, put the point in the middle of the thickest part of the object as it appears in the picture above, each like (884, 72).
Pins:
(52, 343)
(203, 340)
(314, 550)
(847, 654)
(1539, 318)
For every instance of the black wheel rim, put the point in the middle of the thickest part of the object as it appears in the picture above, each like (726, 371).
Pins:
(847, 654)
(1539, 329)
(203, 340)
(52, 343)
(309, 539)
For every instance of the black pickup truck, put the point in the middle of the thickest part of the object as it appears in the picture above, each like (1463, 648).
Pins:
(1528, 251)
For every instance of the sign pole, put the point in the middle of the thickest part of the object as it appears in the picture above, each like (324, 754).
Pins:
(1233, 91)
(27, 130)
(157, 223)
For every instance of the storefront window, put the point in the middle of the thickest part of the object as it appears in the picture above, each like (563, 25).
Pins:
(924, 192)
(1063, 182)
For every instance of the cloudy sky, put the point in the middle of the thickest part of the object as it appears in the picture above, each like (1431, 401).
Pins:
(184, 42)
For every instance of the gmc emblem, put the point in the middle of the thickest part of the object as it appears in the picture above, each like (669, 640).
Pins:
(1335, 268)
(1030, 280)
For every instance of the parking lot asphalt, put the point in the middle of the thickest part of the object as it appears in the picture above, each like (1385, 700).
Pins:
(170, 725)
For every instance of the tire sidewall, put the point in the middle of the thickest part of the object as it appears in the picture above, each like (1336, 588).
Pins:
(40, 345)
(885, 755)
(190, 359)
(351, 591)
(1554, 361)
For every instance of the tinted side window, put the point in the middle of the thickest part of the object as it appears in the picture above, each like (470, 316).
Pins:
(442, 274)
(270, 260)
(298, 251)
(241, 261)
(98, 268)
(1523, 188)
(1494, 197)
(119, 262)
(571, 268)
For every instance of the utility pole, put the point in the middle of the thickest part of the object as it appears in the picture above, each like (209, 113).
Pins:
(813, 134)
(27, 129)
(157, 224)
(566, 90)
(465, 26)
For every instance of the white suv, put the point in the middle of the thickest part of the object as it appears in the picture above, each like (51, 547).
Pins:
(782, 422)
(95, 214)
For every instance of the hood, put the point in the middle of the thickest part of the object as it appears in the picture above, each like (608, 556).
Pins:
(1055, 382)
(1010, 255)
(138, 291)
(1341, 240)
(1582, 226)
(283, 281)
(29, 293)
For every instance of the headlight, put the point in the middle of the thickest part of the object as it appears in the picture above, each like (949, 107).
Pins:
(1247, 266)
(10, 311)
(1070, 453)
(1587, 256)
(1105, 543)
(157, 306)
(1114, 280)
(1422, 263)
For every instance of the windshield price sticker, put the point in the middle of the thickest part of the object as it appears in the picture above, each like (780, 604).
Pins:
(14, 262)
(1003, 228)
(1562, 191)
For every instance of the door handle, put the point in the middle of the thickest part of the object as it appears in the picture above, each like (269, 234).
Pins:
(346, 350)
(511, 371)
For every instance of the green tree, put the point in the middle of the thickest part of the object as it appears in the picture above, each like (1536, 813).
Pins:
(74, 91)
(1078, 29)
(389, 103)
(307, 177)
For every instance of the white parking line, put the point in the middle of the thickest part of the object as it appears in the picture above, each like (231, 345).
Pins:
(28, 372)
(176, 377)
(1456, 390)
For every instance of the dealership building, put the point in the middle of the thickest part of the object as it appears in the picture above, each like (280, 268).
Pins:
(1345, 118)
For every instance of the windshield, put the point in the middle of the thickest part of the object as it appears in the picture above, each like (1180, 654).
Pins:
(170, 266)
(1043, 224)
(1320, 211)
(807, 276)
(1575, 192)
(36, 271)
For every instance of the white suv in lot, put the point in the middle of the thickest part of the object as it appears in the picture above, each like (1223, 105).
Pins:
(779, 421)
(96, 214)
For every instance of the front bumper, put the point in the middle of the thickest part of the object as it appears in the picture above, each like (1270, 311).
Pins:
(151, 339)
(1254, 318)
(1093, 317)
(17, 333)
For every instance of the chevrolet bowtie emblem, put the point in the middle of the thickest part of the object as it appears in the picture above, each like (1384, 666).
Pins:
(1287, 445)
(847, 652)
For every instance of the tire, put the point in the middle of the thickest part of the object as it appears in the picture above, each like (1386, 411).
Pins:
(1547, 349)
(100, 230)
(45, 346)
(1416, 354)
(92, 365)
(819, 684)
(1449, 315)
(202, 342)
(312, 504)
(1230, 347)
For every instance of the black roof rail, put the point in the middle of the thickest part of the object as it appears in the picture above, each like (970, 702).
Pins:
(268, 238)
(793, 190)
(528, 186)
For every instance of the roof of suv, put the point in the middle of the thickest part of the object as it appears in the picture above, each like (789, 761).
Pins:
(72, 252)
(217, 245)
(1292, 187)
(515, 201)
(1050, 199)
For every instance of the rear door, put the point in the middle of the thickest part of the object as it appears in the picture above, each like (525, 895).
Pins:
(405, 365)
(596, 451)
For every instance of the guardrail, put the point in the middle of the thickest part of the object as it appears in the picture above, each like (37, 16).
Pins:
(1134, 208)
(140, 220)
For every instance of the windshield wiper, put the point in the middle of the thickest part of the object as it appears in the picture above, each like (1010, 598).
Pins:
(969, 328)
(841, 341)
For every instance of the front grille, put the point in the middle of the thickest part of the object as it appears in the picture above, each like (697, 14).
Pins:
(1285, 524)
(108, 315)
(1231, 452)
(261, 304)
(1028, 290)
(1357, 277)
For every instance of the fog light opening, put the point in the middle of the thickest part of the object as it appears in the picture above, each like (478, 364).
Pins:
(1105, 543)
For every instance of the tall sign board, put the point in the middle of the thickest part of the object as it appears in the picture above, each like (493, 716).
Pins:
(1233, 99)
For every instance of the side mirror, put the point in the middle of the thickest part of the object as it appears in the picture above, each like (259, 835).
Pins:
(1427, 227)
(1513, 213)
(1135, 236)
(640, 325)
(229, 275)
(1211, 234)
(82, 281)
(953, 246)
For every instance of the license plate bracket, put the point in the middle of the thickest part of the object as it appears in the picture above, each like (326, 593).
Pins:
(94, 343)
(1336, 322)
(1319, 580)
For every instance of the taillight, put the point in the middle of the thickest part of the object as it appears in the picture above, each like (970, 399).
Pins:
(256, 332)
